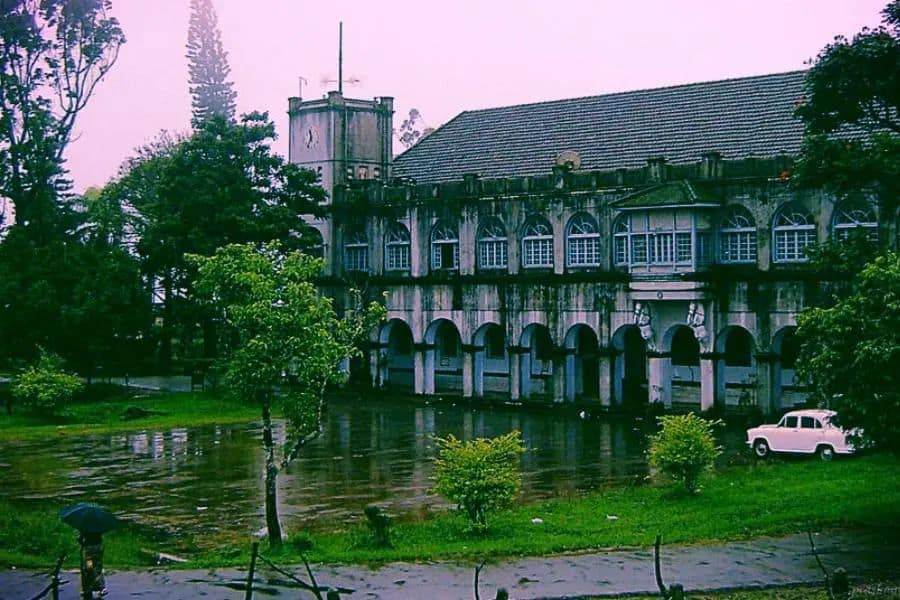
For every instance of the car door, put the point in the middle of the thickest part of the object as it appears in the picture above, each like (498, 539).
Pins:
(808, 436)
(784, 434)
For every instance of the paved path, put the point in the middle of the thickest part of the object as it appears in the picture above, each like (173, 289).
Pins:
(755, 563)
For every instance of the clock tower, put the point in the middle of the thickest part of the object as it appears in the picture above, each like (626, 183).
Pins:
(342, 139)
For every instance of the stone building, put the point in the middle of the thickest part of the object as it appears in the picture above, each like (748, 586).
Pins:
(632, 247)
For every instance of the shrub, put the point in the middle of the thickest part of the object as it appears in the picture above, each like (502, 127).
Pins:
(684, 447)
(481, 476)
(45, 388)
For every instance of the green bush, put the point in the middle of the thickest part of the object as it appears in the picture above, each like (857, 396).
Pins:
(45, 388)
(684, 447)
(482, 475)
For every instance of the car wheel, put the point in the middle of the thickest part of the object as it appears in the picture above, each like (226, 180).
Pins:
(826, 453)
(761, 448)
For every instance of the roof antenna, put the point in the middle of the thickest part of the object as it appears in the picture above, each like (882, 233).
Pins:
(341, 57)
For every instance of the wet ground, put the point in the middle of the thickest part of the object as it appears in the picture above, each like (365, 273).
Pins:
(208, 478)
(762, 562)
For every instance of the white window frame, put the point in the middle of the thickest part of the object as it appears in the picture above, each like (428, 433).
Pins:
(737, 237)
(356, 251)
(854, 216)
(397, 248)
(621, 245)
(537, 244)
(793, 231)
(582, 241)
(492, 245)
(444, 234)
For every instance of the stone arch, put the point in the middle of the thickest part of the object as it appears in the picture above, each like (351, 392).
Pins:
(582, 363)
(680, 379)
(443, 357)
(536, 361)
(490, 361)
(736, 369)
(629, 385)
(785, 349)
(396, 364)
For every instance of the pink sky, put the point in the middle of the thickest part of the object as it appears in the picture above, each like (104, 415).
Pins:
(443, 57)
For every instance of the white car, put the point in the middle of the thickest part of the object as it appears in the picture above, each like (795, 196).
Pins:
(803, 432)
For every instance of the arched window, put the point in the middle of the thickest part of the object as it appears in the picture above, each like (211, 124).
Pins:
(444, 246)
(793, 230)
(315, 245)
(737, 236)
(537, 243)
(582, 241)
(858, 216)
(492, 245)
(356, 250)
(396, 248)
(620, 240)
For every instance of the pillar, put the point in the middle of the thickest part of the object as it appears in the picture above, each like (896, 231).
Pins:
(707, 381)
(420, 376)
(571, 379)
(559, 378)
(515, 373)
(605, 366)
(478, 359)
(658, 379)
(468, 371)
(765, 388)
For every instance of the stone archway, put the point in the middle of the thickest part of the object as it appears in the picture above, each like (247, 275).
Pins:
(443, 358)
(582, 363)
(396, 364)
(785, 349)
(681, 377)
(536, 370)
(736, 369)
(490, 361)
(629, 386)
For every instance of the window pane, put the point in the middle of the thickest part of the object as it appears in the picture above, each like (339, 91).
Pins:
(791, 422)
(807, 423)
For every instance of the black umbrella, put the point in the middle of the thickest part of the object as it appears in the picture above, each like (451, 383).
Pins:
(89, 518)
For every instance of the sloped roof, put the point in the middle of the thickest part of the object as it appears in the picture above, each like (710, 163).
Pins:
(750, 116)
(675, 193)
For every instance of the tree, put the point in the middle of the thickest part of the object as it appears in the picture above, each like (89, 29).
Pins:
(850, 354)
(851, 113)
(684, 447)
(52, 56)
(481, 475)
(219, 186)
(45, 388)
(284, 343)
(212, 94)
(413, 129)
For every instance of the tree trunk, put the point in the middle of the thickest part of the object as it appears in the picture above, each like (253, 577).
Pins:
(272, 524)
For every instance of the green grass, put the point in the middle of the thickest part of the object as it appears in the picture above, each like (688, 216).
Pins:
(104, 416)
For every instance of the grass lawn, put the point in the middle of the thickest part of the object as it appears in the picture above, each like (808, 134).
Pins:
(106, 415)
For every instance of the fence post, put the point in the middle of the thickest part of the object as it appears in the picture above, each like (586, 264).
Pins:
(254, 550)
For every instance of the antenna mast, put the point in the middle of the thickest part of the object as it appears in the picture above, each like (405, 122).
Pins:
(341, 57)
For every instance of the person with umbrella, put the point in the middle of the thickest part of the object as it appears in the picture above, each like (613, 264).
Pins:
(92, 522)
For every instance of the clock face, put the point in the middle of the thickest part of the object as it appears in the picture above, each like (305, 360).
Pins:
(311, 137)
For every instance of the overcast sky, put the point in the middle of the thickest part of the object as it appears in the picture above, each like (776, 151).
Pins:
(443, 57)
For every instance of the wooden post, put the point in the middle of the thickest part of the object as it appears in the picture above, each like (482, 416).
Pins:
(253, 552)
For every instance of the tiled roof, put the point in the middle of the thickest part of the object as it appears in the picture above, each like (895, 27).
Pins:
(740, 118)
(675, 193)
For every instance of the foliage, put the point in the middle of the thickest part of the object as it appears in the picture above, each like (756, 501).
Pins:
(481, 475)
(684, 447)
(46, 388)
(221, 185)
(850, 111)
(53, 55)
(413, 129)
(850, 353)
(281, 333)
(212, 93)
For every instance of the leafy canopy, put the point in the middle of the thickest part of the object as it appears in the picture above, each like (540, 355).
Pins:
(850, 353)
(45, 387)
(481, 475)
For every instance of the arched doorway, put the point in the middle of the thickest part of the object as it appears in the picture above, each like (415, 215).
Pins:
(736, 368)
(536, 362)
(491, 361)
(396, 364)
(681, 379)
(786, 392)
(443, 360)
(630, 370)
(582, 364)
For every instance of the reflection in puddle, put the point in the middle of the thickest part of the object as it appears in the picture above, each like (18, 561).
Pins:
(210, 478)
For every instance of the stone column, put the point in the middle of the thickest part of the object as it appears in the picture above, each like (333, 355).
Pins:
(418, 370)
(570, 388)
(605, 366)
(468, 370)
(658, 379)
(515, 372)
(559, 378)
(708, 394)
(478, 360)
(765, 390)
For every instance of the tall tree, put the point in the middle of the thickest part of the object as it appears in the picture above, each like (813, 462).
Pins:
(212, 93)
(53, 53)
(285, 344)
(851, 111)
